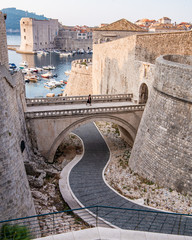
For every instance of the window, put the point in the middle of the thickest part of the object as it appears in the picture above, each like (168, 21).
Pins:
(25, 37)
(24, 29)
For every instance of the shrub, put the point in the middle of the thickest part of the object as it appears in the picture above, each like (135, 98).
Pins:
(14, 232)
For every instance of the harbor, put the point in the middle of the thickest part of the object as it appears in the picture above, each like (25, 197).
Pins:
(37, 66)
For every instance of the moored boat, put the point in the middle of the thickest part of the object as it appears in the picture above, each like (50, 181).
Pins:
(67, 73)
(49, 67)
(66, 54)
(47, 75)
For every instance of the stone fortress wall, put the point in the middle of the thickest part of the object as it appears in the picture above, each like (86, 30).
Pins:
(80, 79)
(124, 65)
(37, 34)
(68, 41)
(3, 41)
(162, 149)
(15, 195)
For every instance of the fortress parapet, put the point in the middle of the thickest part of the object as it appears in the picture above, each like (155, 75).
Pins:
(80, 80)
(82, 63)
(162, 149)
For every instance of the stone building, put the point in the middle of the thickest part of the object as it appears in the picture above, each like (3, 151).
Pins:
(119, 29)
(37, 34)
(74, 38)
(16, 200)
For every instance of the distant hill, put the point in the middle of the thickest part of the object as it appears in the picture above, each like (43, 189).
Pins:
(13, 18)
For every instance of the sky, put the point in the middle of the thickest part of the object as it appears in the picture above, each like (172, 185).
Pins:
(94, 12)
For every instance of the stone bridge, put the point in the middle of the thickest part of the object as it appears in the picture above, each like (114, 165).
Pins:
(50, 119)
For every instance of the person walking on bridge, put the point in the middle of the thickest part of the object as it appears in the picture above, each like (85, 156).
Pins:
(89, 100)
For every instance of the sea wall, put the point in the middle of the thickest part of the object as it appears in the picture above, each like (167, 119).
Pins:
(68, 41)
(80, 79)
(162, 149)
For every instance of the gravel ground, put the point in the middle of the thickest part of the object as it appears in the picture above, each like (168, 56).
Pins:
(122, 179)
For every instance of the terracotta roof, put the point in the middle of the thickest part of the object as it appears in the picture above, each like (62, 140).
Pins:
(121, 25)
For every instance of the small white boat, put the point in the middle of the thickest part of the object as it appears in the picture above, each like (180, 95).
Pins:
(45, 52)
(81, 51)
(39, 69)
(39, 53)
(56, 51)
(57, 83)
(67, 73)
(24, 64)
(33, 70)
(49, 85)
(25, 70)
(47, 75)
(49, 67)
(32, 78)
(66, 54)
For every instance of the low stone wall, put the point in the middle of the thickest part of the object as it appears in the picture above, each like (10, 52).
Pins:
(80, 79)
(162, 149)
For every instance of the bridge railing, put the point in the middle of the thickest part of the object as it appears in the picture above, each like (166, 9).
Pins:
(101, 216)
(84, 111)
(78, 99)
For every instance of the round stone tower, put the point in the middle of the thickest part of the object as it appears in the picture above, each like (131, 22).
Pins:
(162, 151)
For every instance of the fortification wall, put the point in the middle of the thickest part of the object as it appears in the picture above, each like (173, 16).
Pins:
(162, 149)
(3, 41)
(151, 46)
(123, 65)
(115, 69)
(80, 79)
(15, 194)
(69, 43)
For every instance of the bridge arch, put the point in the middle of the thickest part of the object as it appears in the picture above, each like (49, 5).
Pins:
(143, 93)
(127, 127)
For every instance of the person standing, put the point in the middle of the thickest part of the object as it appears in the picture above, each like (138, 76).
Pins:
(89, 100)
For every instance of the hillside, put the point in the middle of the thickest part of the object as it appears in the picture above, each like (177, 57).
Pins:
(13, 18)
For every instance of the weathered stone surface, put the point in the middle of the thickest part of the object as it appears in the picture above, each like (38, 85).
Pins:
(15, 195)
(80, 79)
(162, 149)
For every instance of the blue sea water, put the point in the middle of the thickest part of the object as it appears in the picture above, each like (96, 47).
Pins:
(61, 65)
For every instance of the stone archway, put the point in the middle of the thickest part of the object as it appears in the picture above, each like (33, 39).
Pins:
(120, 122)
(143, 93)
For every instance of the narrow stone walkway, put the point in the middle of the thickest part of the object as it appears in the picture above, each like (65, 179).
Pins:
(90, 189)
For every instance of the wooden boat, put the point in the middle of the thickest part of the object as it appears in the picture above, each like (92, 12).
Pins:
(47, 75)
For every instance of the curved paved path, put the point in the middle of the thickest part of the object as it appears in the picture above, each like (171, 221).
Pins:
(88, 186)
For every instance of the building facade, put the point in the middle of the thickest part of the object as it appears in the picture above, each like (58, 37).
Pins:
(74, 38)
(119, 29)
(38, 34)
